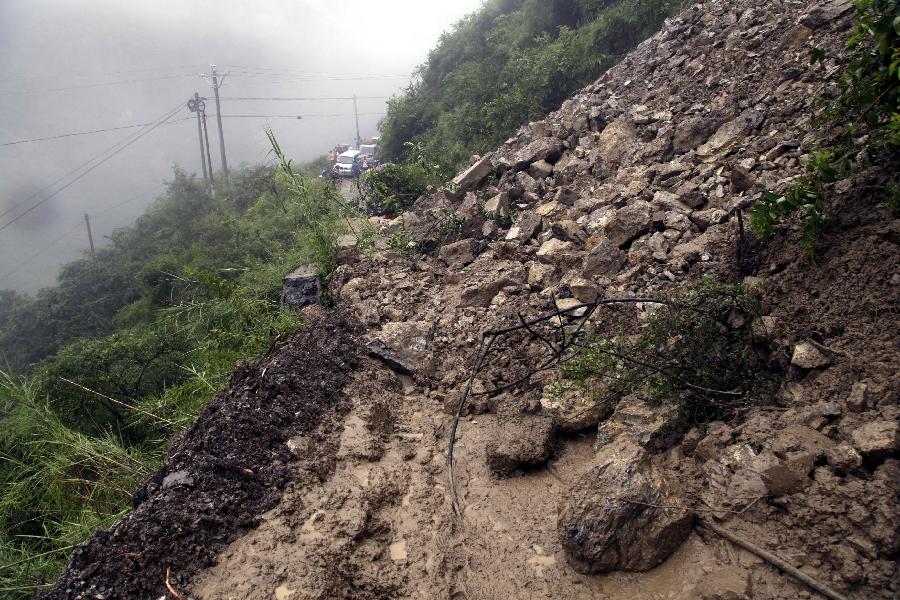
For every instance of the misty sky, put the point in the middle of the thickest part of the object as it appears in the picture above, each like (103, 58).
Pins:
(269, 48)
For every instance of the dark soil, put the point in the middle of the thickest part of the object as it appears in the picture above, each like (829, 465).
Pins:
(231, 466)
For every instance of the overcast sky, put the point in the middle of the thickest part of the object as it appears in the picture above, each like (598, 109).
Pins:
(79, 65)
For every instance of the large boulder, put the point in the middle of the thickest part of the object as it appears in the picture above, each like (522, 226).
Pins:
(300, 288)
(877, 439)
(542, 149)
(604, 259)
(612, 517)
(615, 142)
(471, 177)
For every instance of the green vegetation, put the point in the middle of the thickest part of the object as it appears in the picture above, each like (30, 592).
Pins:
(864, 125)
(511, 62)
(696, 354)
(129, 346)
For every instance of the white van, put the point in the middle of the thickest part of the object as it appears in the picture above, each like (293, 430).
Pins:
(345, 163)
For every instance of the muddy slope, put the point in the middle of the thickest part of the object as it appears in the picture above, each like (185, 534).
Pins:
(232, 465)
(638, 185)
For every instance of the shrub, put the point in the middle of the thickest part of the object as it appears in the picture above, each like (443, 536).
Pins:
(696, 354)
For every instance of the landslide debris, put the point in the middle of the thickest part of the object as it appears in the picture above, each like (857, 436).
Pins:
(636, 186)
(227, 469)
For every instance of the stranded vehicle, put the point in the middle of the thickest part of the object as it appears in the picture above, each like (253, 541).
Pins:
(347, 165)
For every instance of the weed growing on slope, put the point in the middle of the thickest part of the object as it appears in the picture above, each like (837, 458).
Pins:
(695, 354)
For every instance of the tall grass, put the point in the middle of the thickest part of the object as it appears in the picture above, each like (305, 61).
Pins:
(211, 291)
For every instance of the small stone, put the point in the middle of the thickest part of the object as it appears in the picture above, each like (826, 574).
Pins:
(808, 356)
(459, 253)
(552, 248)
(177, 478)
(856, 400)
(584, 290)
(843, 459)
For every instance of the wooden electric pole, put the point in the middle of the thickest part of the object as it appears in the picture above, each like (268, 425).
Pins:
(356, 114)
(87, 221)
(215, 81)
(196, 105)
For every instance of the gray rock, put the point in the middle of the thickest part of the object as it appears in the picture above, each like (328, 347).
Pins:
(807, 356)
(843, 459)
(540, 169)
(574, 409)
(856, 399)
(605, 523)
(177, 478)
(300, 288)
(552, 248)
(604, 260)
(546, 149)
(692, 132)
(529, 225)
(615, 142)
(729, 134)
(628, 222)
(405, 346)
(825, 12)
(471, 177)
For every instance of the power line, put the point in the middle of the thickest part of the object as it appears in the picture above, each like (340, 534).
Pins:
(112, 152)
(276, 71)
(296, 116)
(92, 85)
(65, 135)
(40, 252)
(73, 171)
(304, 98)
(101, 212)
(104, 74)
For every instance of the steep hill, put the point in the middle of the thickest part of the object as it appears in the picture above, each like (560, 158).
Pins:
(508, 63)
(615, 218)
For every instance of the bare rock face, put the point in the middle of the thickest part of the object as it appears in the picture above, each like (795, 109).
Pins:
(605, 523)
(525, 441)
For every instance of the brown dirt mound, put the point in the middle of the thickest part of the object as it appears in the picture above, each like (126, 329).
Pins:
(232, 465)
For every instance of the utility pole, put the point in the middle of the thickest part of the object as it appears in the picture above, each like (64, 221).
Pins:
(206, 137)
(87, 221)
(356, 114)
(215, 80)
(197, 105)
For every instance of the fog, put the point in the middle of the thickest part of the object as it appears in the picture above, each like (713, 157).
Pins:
(70, 66)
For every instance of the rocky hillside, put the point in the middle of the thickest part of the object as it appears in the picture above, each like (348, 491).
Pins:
(322, 471)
